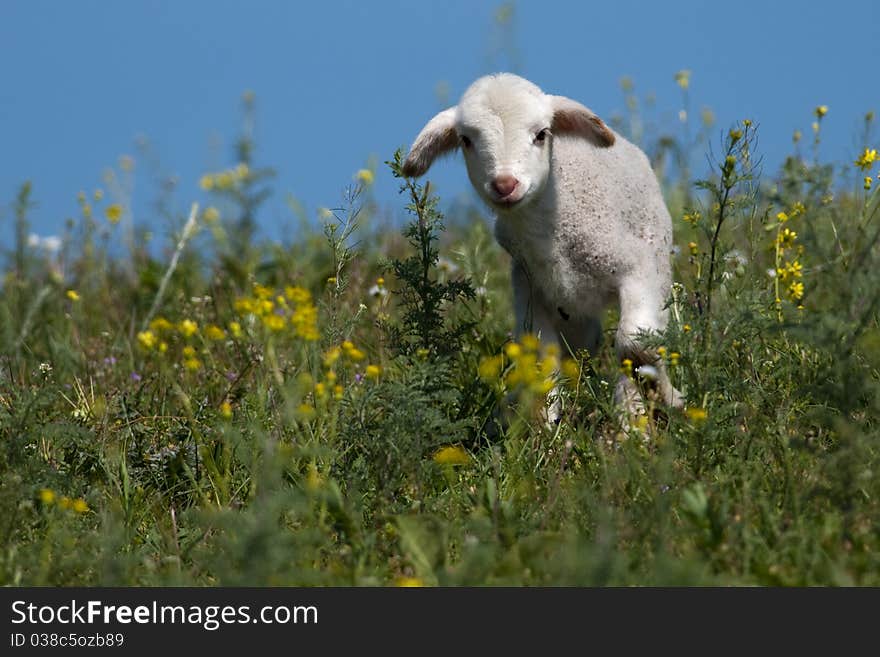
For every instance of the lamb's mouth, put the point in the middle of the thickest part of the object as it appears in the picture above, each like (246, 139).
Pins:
(507, 202)
(514, 198)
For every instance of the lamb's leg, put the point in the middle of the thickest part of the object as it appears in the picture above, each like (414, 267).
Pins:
(578, 333)
(529, 312)
(532, 317)
(641, 311)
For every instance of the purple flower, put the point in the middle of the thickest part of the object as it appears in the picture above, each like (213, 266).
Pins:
(110, 360)
(135, 376)
(231, 376)
(358, 377)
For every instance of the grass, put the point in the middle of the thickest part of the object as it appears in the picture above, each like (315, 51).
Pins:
(351, 409)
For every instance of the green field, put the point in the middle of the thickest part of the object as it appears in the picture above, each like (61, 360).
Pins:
(197, 407)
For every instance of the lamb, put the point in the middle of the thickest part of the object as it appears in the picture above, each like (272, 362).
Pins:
(579, 210)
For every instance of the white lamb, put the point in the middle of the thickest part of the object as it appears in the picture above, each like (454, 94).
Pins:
(578, 208)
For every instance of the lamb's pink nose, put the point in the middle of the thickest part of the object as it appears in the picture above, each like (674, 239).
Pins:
(504, 185)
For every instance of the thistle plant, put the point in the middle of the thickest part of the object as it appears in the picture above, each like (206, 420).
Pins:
(425, 299)
(735, 168)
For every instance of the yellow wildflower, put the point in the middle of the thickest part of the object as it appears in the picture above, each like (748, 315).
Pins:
(161, 324)
(373, 371)
(192, 364)
(365, 177)
(821, 111)
(65, 502)
(683, 78)
(337, 392)
(513, 350)
(113, 213)
(147, 339)
(214, 332)
(207, 182)
(796, 290)
(47, 496)
(274, 322)
(626, 366)
(693, 247)
(530, 342)
(868, 182)
(451, 455)
(786, 238)
(73, 295)
(189, 352)
(188, 328)
(211, 214)
(263, 292)
(490, 369)
(242, 171)
(226, 410)
(409, 582)
(867, 159)
(686, 328)
(331, 356)
(235, 329)
(79, 505)
(541, 386)
(673, 358)
(782, 217)
(223, 180)
(320, 390)
(697, 414)
(305, 411)
(571, 369)
(305, 321)
(297, 294)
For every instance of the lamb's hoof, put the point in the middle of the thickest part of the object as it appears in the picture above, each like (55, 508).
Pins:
(675, 399)
(552, 413)
(628, 398)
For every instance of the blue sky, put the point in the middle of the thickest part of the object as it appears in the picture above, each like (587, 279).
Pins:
(340, 82)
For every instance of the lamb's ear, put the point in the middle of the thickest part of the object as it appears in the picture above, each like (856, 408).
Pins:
(570, 117)
(435, 139)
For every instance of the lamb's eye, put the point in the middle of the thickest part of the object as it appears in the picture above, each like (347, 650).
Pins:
(465, 141)
(541, 137)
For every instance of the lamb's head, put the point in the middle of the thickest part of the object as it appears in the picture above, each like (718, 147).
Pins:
(505, 125)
